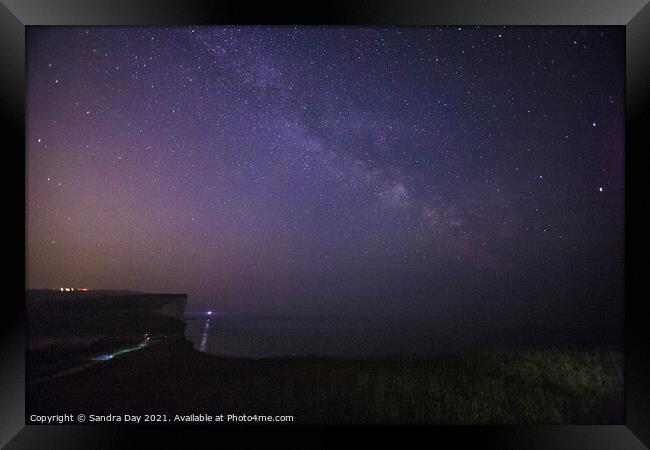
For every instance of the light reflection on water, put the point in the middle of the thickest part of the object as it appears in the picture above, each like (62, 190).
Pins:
(204, 336)
(280, 336)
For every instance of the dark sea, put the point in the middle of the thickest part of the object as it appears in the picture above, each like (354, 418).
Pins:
(286, 336)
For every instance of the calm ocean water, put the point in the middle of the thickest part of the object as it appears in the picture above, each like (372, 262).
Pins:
(274, 336)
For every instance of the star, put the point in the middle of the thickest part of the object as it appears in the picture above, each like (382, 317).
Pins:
(365, 145)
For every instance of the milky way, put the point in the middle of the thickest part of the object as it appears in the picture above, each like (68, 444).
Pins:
(317, 169)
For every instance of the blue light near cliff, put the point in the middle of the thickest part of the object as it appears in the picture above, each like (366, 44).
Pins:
(109, 356)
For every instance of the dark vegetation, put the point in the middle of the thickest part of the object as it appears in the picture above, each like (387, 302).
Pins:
(509, 387)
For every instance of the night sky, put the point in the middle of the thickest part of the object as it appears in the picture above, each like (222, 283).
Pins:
(450, 171)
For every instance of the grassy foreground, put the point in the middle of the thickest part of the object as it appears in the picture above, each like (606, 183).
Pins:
(518, 387)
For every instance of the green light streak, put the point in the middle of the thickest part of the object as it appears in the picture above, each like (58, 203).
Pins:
(108, 356)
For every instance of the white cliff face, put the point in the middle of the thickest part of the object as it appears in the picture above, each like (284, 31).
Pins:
(175, 307)
(65, 329)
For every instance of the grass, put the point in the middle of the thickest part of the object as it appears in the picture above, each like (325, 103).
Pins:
(508, 387)
(491, 388)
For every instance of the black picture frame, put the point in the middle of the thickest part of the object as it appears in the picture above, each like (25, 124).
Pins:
(634, 15)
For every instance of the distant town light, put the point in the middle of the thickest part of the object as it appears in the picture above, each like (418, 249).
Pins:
(71, 289)
(209, 313)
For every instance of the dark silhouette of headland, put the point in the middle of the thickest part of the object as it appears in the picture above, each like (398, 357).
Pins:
(122, 352)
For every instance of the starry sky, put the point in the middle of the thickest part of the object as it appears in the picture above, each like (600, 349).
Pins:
(331, 170)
